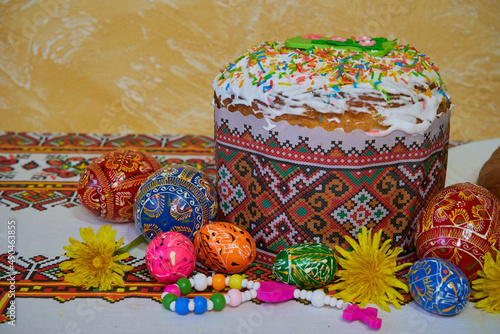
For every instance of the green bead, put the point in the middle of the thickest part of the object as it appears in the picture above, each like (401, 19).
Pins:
(219, 301)
(184, 285)
(168, 299)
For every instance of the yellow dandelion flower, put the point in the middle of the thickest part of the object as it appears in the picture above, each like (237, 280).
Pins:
(488, 286)
(368, 273)
(94, 261)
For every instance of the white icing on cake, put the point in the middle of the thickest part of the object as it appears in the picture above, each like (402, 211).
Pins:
(330, 80)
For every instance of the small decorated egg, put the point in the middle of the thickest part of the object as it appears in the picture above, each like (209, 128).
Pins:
(309, 265)
(178, 198)
(225, 247)
(108, 186)
(438, 286)
(460, 224)
(170, 256)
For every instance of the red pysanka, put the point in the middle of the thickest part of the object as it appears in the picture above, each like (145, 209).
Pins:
(460, 224)
(108, 186)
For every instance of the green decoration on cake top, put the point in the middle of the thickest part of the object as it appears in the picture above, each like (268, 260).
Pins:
(377, 46)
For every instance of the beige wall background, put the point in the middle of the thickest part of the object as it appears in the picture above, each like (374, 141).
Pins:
(136, 66)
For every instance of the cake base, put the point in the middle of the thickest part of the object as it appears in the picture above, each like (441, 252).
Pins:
(295, 185)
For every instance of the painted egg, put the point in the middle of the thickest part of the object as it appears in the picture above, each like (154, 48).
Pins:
(108, 186)
(309, 265)
(460, 224)
(438, 286)
(178, 198)
(170, 256)
(225, 247)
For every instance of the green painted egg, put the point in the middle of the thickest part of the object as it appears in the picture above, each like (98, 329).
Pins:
(305, 265)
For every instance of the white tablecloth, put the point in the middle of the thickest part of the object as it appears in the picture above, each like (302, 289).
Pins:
(46, 232)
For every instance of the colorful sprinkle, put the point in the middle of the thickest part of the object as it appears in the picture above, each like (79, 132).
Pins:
(332, 68)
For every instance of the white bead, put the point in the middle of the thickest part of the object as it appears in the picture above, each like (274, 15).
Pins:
(210, 305)
(191, 280)
(227, 298)
(309, 295)
(333, 302)
(243, 297)
(340, 303)
(248, 295)
(256, 285)
(318, 298)
(227, 280)
(163, 295)
(200, 282)
(253, 293)
(172, 306)
(250, 284)
(244, 283)
(296, 293)
(303, 294)
(327, 300)
(191, 305)
(209, 280)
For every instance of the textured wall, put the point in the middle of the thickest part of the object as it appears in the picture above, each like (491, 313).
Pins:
(147, 66)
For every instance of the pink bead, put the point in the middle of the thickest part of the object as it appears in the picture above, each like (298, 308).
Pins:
(235, 297)
(173, 288)
(270, 291)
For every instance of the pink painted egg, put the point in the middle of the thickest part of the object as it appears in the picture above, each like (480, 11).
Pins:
(460, 224)
(170, 256)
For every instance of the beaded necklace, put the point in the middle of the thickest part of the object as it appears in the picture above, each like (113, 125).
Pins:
(264, 291)
(172, 300)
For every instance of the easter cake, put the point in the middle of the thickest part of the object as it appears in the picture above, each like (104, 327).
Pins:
(319, 136)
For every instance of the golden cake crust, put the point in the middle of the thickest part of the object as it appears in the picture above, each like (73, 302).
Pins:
(348, 121)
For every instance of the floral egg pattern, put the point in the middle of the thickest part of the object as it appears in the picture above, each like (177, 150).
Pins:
(108, 186)
(460, 224)
(177, 198)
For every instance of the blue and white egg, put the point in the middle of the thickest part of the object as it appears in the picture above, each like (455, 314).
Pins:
(178, 198)
(438, 286)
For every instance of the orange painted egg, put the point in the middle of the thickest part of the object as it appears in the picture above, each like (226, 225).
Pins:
(225, 247)
(460, 224)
